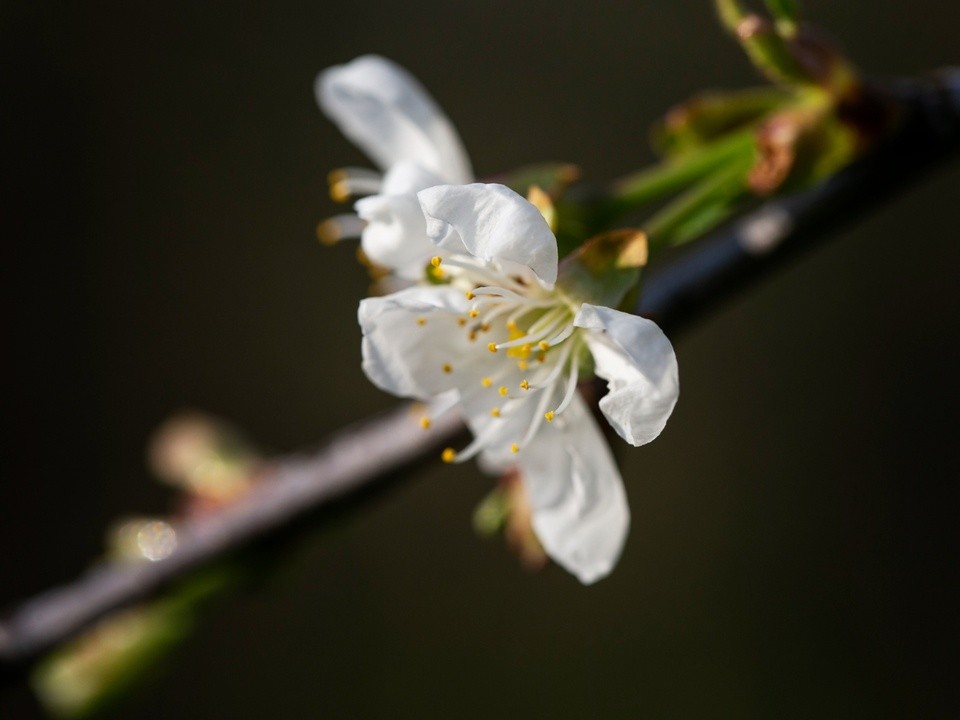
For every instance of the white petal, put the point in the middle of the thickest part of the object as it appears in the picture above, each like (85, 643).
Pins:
(405, 357)
(396, 233)
(389, 115)
(494, 224)
(518, 414)
(408, 178)
(637, 360)
(580, 511)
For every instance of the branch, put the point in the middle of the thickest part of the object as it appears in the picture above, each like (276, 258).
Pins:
(366, 458)
(726, 261)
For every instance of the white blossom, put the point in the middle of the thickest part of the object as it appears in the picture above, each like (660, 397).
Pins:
(389, 115)
(506, 343)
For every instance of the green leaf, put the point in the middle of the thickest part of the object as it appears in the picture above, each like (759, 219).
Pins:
(675, 174)
(699, 207)
(708, 116)
(786, 13)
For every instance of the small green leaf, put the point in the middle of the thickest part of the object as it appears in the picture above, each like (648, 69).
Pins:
(699, 206)
(708, 116)
(786, 13)
(491, 514)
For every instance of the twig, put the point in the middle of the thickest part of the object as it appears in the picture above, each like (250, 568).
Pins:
(726, 261)
(368, 456)
(358, 460)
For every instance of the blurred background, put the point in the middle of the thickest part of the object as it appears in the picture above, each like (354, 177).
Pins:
(794, 546)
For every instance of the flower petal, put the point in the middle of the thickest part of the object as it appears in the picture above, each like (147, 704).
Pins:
(412, 345)
(388, 114)
(637, 360)
(580, 511)
(494, 224)
(518, 414)
(408, 178)
(395, 235)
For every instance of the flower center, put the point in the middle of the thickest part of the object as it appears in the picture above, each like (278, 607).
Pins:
(526, 373)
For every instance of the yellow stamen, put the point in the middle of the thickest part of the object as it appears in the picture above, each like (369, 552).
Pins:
(436, 260)
(512, 326)
(492, 347)
(328, 232)
(421, 321)
(425, 423)
(473, 312)
(541, 357)
(495, 412)
(522, 365)
(514, 448)
(544, 345)
(549, 415)
(461, 321)
(339, 191)
(470, 295)
(504, 391)
(524, 384)
(472, 336)
(487, 382)
(447, 368)
(448, 455)
(485, 327)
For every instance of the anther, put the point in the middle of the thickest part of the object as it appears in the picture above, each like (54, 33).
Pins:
(448, 455)
(514, 448)
(472, 336)
(512, 326)
(495, 412)
(461, 321)
(492, 347)
(544, 345)
(425, 423)
(549, 415)
(541, 357)
(333, 230)
(447, 368)
(470, 295)
(473, 312)
(485, 327)
(522, 365)
(524, 384)
(436, 260)
(487, 382)
(421, 321)
(504, 391)
(339, 191)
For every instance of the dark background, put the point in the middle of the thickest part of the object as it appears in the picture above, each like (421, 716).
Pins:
(794, 546)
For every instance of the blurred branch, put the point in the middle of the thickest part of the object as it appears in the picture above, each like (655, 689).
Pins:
(695, 280)
(367, 457)
(356, 462)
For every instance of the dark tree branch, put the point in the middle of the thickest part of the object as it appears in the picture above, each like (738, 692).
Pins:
(726, 261)
(369, 456)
